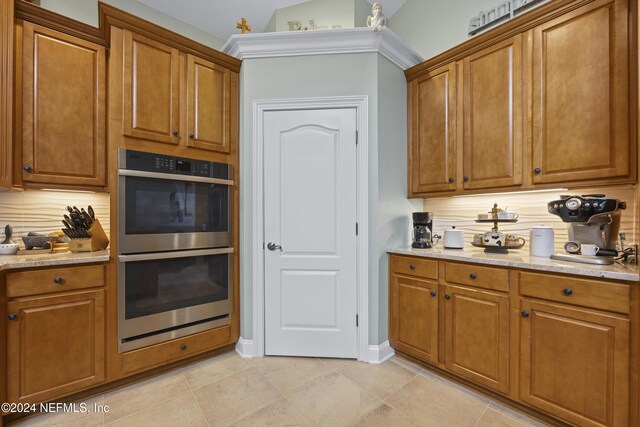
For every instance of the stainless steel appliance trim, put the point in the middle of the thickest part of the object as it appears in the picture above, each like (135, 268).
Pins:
(584, 259)
(172, 177)
(159, 321)
(172, 255)
(166, 336)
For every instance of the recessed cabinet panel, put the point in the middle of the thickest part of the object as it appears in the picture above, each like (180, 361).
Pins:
(492, 95)
(151, 90)
(432, 162)
(63, 93)
(581, 95)
(208, 87)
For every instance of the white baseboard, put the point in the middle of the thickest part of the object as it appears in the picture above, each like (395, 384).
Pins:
(245, 348)
(380, 353)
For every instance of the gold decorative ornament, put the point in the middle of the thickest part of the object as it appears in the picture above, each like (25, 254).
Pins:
(242, 25)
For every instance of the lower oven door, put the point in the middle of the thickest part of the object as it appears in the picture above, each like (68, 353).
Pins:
(166, 295)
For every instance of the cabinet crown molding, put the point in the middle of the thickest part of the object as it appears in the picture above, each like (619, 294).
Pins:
(323, 42)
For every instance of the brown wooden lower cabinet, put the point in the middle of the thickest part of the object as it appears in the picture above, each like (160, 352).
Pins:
(574, 363)
(567, 341)
(477, 335)
(55, 345)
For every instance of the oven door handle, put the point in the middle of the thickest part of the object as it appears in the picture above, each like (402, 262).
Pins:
(174, 254)
(172, 177)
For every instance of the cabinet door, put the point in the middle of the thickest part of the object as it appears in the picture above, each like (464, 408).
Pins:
(414, 317)
(55, 345)
(492, 106)
(151, 90)
(581, 95)
(63, 102)
(208, 89)
(432, 132)
(477, 336)
(575, 363)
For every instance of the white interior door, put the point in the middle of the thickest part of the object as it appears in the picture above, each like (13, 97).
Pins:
(310, 218)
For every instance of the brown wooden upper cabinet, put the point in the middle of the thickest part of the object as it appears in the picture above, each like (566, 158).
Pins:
(432, 137)
(581, 95)
(492, 114)
(151, 89)
(63, 108)
(154, 96)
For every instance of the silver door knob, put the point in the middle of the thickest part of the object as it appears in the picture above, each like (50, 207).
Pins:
(272, 246)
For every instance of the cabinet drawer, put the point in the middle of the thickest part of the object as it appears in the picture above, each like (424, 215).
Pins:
(424, 268)
(588, 293)
(51, 280)
(481, 277)
(179, 348)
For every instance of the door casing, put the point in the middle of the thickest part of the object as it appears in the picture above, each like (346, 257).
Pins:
(260, 107)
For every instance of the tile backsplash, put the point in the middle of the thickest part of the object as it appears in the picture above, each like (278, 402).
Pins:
(461, 211)
(41, 211)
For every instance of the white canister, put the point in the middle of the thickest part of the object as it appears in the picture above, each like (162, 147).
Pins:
(453, 239)
(541, 241)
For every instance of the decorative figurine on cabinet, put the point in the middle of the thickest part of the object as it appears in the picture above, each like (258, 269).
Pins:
(378, 20)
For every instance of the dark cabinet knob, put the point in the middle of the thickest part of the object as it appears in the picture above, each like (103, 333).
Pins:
(567, 291)
(58, 280)
(191, 136)
(525, 313)
(183, 347)
(472, 276)
(12, 316)
(447, 296)
(450, 179)
(27, 168)
(465, 178)
(434, 293)
(537, 171)
(412, 266)
(175, 133)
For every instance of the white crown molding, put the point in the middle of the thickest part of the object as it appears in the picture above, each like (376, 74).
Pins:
(323, 42)
(380, 353)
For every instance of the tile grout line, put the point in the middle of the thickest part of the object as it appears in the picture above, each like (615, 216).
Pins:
(194, 398)
(481, 415)
(397, 409)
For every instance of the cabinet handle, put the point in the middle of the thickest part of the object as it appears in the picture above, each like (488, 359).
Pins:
(538, 171)
(58, 280)
(465, 178)
(12, 316)
(447, 296)
(27, 168)
(434, 293)
(412, 266)
(525, 313)
(175, 132)
(472, 276)
(567, 291)
(191, 136)
(450, 180)
(183, 347)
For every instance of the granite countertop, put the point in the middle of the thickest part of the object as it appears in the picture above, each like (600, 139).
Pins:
(12, 262)
(521, 259)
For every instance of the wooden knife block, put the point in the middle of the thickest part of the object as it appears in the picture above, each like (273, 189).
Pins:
(97, 242)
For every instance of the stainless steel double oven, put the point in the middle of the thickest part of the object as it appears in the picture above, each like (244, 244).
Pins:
(175, 260)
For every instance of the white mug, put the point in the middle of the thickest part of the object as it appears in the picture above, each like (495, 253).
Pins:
(590, 250)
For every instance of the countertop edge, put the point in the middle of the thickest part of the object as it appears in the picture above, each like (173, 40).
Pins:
(546, 265)
(15, 262)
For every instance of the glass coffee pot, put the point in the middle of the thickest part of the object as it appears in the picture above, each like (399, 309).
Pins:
(423, 230)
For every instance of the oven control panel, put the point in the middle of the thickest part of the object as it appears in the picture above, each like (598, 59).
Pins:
(150, 162)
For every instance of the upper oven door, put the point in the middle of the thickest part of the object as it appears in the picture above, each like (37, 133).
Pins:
(165, 212)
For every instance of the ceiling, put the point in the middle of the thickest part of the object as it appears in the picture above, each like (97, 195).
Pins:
(219, 17)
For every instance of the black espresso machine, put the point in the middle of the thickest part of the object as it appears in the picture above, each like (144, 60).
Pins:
(591, 219)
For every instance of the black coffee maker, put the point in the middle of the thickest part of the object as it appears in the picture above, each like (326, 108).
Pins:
(423, 230)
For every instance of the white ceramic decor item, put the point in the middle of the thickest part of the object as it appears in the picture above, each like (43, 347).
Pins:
(541, 239)
(453, 239)
(378, 20)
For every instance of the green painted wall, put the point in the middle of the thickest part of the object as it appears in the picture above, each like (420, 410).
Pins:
(87, 11)
(325, 13)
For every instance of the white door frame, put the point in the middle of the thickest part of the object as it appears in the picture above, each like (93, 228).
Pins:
(361, 104)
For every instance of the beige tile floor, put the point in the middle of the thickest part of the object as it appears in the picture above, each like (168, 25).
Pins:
(283, 391)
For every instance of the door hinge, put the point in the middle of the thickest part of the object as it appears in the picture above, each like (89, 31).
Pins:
(356, 228)
(356, 137)
(356, 320)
